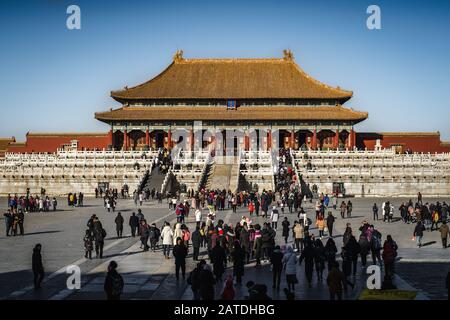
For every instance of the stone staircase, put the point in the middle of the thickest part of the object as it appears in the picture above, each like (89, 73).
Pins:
(155, 180)
(234, 182)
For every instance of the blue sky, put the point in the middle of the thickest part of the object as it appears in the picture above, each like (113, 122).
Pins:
(54, 79)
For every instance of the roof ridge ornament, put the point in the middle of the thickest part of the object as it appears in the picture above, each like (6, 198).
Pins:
(178, 56)
(288, 55)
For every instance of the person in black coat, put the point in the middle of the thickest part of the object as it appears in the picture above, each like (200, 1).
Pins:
(418, 233)
(114, 284)
(218, 259)
(8, 222)
(244, 239)
(308, 254)
(21, 221)
(285, 224)
(276, 260)
(180, 252)
(99, 236)
(119, 224)
(37, 266)
(206, 282)
(194, 279)
(330, 223)
(90, 223)
(134, 224)
(352, 250)
(238, 256)
(330, 253)
(196, 238)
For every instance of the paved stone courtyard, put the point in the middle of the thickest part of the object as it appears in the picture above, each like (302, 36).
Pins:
(149, 276)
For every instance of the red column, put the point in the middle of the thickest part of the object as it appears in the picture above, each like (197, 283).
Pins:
(292, 139)
(269, 139)
(336, 139)
(246, 141)
(314, 140)
(191, 139)
(125, 139)
(147, 137)
(110, 138)
(351, 139)
(169, 139)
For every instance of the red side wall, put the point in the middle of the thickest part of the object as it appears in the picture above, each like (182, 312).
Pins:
(50, 143)
(417, 143)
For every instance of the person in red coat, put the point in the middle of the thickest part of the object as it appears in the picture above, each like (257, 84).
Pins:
(228, 291)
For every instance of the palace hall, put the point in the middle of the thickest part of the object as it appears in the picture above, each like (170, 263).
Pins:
(271, 95)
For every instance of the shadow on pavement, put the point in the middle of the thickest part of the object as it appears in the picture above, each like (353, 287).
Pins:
(42, 232)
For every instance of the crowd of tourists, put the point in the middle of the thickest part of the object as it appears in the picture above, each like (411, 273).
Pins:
(75, 201)
(28, 203)
(18, 206)
(247, 242)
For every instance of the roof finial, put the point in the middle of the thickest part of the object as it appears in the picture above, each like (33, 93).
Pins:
(288, 55)
(178, 56)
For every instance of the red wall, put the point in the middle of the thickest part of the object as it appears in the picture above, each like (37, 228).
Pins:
(51, 142)
(420, 142)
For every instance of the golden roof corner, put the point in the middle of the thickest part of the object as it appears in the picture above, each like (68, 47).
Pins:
(178, 56)
(288, 55)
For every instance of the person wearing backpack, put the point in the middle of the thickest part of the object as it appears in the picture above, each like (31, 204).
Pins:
(113, 283)
(145, 234)
(154, 234)
(100, 235)
(88, 244)
(180, 211)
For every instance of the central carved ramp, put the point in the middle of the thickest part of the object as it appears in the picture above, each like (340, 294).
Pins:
(224, 175)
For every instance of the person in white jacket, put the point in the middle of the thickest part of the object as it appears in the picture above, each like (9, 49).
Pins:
(167, 239)
(274, 215)
(178, 233)
(198, 217)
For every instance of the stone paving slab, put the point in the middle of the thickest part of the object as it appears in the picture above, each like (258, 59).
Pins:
(148, 276)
